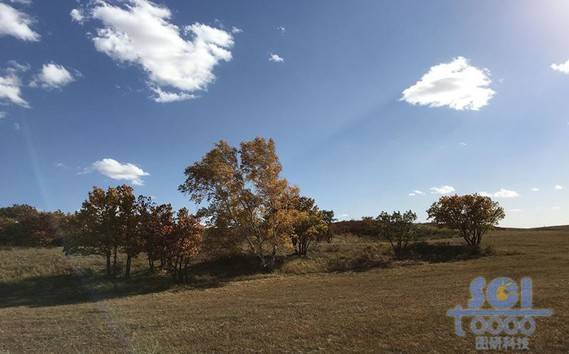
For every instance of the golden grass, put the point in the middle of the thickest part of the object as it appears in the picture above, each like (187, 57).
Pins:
(48, 304)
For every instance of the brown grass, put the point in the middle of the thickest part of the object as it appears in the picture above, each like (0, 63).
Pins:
(49, 303)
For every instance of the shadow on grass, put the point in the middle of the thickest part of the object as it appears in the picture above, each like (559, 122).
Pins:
(444, 252)
(86, 285)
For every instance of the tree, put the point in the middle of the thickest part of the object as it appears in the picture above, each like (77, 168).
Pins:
(156, 222)
(397, 228)
(24, 225)
(93, 228)
(183, 244)
(472, 215)
(245, 195)
(127, 221)
(309, 225)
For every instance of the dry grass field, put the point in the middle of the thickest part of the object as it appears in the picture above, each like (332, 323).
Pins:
(55, 304)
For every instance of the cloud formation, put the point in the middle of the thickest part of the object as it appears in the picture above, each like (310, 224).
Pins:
(456, 85)
(77, 15)
(53, 76)
(559, 187)
(118, 171)
(275, 58)
(10, 88)
(177, 61)
(416, 193)
(502, 193)
(562, 68)
(16, 23)
(442, 190)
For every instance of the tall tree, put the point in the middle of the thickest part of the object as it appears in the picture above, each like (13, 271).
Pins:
(245, 195)
(472, 215)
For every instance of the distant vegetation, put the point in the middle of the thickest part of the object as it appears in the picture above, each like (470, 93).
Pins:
(245, 208)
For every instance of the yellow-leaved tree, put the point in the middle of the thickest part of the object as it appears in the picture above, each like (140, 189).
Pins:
(244, 195)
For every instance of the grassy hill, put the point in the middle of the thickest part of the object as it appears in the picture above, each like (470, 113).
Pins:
(53, 303)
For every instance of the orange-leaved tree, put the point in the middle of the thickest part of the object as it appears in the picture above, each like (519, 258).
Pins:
(472, 215)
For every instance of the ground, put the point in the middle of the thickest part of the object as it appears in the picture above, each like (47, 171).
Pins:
(51, 303)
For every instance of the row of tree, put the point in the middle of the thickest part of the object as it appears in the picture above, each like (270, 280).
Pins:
(243, 201)
(471, 215)
(24, 225)
(115, 222)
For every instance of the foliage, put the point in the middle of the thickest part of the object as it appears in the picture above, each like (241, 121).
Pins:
(472, 215)
(245, 195)
(23, 225)
(397, 228)
(183, 244)
(309, 225)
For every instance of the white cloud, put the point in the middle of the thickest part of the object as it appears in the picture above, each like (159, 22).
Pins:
(463, 144)
(2, 115)
(167, 97)
(457, 85)
(22, 2)
(275, 58)
(505, 193)
(77, 15)
(118, 171)
(10, 89)
(416, 193)
(559, 187)
(53, 76)
(502, 193)
(17, 126)
(562, 68)
(236, 30)
(442, 190)
(177, 62)
(535, 189)
(16, 23)
(282, 29)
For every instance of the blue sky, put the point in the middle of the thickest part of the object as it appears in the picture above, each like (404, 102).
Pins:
(374, 105)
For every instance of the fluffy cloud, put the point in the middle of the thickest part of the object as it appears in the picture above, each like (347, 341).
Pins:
(502, 193)
(457, 85)
(535, 189)
(416, 193)
(53, 76)
(275, 58)
(118, 171)
(77, 15)
(562, 68)
(559, 187)
(177, 62)
(442, 190)
(16, 23)
(10, 89)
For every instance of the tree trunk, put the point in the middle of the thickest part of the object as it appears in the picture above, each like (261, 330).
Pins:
(108, 256)
(127, 269)
(115, 261)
